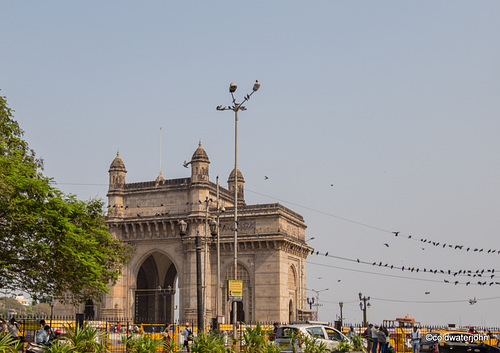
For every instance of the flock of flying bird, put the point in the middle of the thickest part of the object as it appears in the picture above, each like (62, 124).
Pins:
(484, 276)
(444, 245)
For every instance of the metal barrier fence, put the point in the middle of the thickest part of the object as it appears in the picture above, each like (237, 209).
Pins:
(116, 329)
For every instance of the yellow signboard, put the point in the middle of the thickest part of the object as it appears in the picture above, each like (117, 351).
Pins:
(235, 290)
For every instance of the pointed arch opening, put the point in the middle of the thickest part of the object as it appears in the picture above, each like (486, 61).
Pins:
(89, 310)
(155, 291)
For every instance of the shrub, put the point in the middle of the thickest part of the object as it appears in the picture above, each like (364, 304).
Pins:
(358, 344)
(311, 344)
(141, 344)
(254, 341)
(86, 339)
(209, 343)
(345, 346)
(10, 344)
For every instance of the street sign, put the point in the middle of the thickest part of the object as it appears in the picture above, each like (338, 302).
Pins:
(235, 290)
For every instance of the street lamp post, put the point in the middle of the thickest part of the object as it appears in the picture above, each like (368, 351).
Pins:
(310, 301)
(341, 305)
(214, 231)
(363, 304)
(164, 292)
(317, 304)
(236, 107)
(217, 234)
(207, 201)
(214, 228)
(51, 303)
(301, 304)
(199, 288)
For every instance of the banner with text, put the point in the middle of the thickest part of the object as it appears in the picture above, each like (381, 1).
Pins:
(235, 290)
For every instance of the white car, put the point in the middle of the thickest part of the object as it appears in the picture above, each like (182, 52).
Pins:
(326, 334)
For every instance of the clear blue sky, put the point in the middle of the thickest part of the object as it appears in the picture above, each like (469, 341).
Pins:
(394, 103)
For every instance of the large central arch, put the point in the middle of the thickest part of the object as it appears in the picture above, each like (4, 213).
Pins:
(155, 290)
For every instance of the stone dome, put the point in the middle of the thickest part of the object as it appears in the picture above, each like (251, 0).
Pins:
(240, 177)
(200, 155)
(117, 164)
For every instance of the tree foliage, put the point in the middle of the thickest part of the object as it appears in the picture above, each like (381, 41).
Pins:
(51, 244)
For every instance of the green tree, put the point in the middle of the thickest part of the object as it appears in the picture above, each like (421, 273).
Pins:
(9, 303)
(41, 309)
(51, 244)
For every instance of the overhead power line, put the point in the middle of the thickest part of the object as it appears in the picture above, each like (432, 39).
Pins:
(454, 282)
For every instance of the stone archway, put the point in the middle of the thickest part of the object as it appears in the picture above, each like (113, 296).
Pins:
(155, 291)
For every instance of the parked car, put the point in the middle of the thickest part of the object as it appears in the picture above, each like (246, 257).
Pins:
(326, 334)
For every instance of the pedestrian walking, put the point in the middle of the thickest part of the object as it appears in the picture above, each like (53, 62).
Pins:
(187, 334)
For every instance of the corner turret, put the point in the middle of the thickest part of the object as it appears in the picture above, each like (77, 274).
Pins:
(199, 167)
(231, 182)
(117, 174)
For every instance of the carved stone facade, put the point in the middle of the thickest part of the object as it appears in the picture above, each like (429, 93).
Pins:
(271, 249)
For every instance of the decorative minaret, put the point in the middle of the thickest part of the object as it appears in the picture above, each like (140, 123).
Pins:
(241, 189)
(199, 167)
(117, 173)
(199, 180)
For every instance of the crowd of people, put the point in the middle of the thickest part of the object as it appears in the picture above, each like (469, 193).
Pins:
(167, 335)
(377, 338)
(43, 336)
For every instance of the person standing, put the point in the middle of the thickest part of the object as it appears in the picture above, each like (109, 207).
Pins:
(42, 336)
(3, 327)
(13, 327)
(387, 339)
(382, 338)
(55, 339)
(368, 336)
(186, 335)
(375, 339)
(272, 336)
(415, 338)
(167, 337)
(351, 333)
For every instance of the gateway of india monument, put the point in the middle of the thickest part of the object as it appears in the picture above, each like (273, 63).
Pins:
(162, 275)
